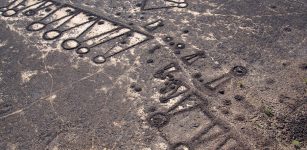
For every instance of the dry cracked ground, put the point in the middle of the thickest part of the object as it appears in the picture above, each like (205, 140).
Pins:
(153, 74)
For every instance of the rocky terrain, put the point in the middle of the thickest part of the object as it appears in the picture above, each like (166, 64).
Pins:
(153, 74)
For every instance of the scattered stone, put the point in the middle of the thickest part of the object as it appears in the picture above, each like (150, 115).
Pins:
(227, 102)
(239, 97)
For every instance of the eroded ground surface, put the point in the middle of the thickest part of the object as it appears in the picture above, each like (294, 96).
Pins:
(153, 74)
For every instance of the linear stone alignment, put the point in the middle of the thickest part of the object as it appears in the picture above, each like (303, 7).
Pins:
(153, 74)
